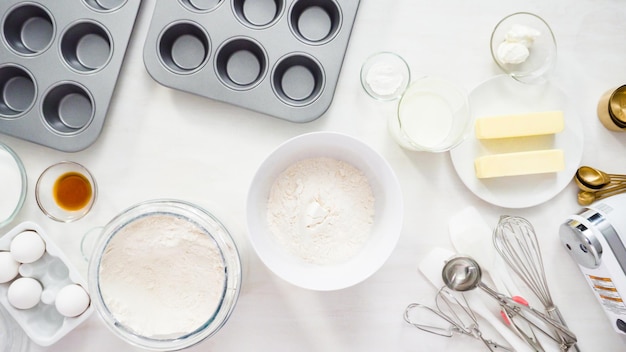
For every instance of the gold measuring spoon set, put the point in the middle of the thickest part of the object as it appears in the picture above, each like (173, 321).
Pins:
(595, 184)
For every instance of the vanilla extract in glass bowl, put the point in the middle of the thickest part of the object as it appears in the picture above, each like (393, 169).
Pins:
(72, 191)
(66, 191)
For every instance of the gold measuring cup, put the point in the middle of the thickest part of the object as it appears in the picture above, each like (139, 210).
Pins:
(612, 109)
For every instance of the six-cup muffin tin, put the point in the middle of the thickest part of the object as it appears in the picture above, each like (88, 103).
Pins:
(278, 57)
(59, 63)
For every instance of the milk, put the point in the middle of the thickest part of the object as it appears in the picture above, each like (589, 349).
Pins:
(425, 119)
(433, 115)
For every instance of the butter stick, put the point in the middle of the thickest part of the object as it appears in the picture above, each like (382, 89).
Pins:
(519, 125)
(520, 163)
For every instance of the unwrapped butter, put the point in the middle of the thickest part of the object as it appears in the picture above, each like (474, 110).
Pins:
(520, 163)
(520, 125)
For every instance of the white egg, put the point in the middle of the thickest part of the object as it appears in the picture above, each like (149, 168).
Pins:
(8, 267)
(27, 247)
(72, 300)
(24, 293)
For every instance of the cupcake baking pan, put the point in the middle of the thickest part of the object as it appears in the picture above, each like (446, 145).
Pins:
(59, 63)
(278, 57)
(43, 323)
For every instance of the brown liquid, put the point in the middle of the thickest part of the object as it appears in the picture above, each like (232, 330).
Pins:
(72, 191)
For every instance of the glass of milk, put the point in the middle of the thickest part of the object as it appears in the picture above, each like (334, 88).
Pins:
(433, 115)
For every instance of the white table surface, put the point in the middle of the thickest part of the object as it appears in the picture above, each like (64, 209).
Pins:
(158, 142)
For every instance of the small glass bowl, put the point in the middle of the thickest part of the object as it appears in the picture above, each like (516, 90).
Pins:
(385, 76)
(209, 225)
(45, 191)
(12, 168)
(541, 49)
(433, 115)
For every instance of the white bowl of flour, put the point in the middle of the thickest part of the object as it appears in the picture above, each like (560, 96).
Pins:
(324, 211)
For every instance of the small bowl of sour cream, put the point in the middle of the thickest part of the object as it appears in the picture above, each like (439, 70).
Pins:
(523, 45)
(324, 211)
(165, 275)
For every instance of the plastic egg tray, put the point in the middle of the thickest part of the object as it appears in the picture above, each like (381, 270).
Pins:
(43, 323)
(59, 63)
(278, 57)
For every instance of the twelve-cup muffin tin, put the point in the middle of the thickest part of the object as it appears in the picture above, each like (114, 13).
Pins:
(278, 57)
(59, 63)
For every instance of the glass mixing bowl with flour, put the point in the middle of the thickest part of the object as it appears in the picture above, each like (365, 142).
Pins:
(165, 275)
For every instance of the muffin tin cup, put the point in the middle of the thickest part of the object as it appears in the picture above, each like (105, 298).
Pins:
(278, 57)
(241, 63)
(315, 22)
(67, 108)
(28, 28)
(18, 91)
(59, 64)
(105, 5)
(184, 47)
(258, 14)
(201, 5)
(298, 79)
(86, 46)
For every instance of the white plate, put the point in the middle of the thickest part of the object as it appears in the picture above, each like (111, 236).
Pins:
(503, 95)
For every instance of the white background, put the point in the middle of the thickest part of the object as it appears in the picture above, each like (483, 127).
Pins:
(158, 142)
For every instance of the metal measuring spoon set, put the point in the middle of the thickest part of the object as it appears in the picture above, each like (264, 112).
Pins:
(595, 184)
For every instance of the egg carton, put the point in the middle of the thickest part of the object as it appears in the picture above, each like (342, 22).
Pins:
(278, 57)
(59, 63)
(43, 323)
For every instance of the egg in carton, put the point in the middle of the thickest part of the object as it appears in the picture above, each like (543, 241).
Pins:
(39, 286)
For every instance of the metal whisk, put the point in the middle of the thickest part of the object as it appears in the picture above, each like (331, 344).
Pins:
(515, 239)
(455, 313)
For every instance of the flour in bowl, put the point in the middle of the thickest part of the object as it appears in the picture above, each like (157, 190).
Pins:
(162, 276)
(321, 210)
